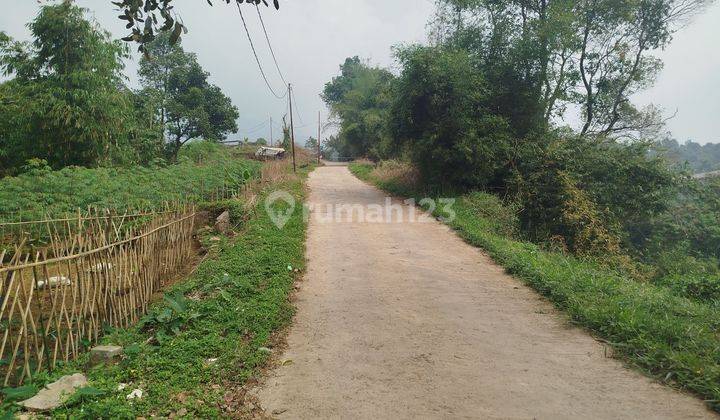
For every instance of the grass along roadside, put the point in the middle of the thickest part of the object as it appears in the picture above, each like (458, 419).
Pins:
(670, 337)
(207, 335)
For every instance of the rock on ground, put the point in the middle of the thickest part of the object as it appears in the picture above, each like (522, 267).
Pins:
(104, 354)
(55, 394)
(222, 223)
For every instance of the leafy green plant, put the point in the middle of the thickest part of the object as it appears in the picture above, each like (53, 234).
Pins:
(84, 394)
(703, 288)
(169, 320)
(33, 196)
(20, 393)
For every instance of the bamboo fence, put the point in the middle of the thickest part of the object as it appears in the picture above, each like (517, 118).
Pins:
(95, 272)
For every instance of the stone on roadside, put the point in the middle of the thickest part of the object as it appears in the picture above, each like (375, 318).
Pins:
(55, 394)
(222, 223)
(105, 354)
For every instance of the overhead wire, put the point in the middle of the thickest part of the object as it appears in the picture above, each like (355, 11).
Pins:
(267, 37)
(257, 127)
(297, 110)
(257, 59)
(274, 57)
(255, 130)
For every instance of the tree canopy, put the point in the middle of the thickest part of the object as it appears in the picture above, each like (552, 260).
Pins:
(359, 99)
(187, 106)
(593, 54)
(66, 102)
(485, 106)
(699, 158)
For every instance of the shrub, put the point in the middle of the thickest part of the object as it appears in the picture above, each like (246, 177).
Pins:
(440, 116)
(704, 288)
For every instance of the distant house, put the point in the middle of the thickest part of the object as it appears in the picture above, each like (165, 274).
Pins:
(270, 153)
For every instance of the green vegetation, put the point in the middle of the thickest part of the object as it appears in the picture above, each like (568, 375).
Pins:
(188, 106)
(66, 102)
(359, 97)
(484, 107)
(698, 158)
(209, 333)
(63, 103)
(203, 169)
(668, 332)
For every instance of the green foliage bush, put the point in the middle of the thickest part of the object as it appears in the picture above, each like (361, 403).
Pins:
(693, 286)
(168, 320)
(205, 168)
(65, 101)
(440, 117)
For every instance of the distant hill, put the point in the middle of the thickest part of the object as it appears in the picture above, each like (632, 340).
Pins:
(699, 158)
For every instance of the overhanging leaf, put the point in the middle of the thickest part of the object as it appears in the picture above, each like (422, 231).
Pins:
(20, 393)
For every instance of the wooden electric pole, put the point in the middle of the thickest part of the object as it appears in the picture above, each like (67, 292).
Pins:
(271, 133)
(318, 139)
(292, 127)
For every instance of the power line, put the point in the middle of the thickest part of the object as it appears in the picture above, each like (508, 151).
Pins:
(257, 60)
(261, 125)
(257, 130)
(257, 7)
(297, 109)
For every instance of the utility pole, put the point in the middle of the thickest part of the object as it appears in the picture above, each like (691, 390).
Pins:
(292, 127)
(271, 139)
(318, 139)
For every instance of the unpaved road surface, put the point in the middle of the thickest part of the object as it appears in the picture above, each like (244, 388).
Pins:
(405, 320)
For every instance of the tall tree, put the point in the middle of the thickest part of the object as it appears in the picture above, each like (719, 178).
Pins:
(547, 54)
(440, 117)
(65, 102)
(359, 98)
(187, 105)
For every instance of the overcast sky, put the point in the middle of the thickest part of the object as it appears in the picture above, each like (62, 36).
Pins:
(312, 37)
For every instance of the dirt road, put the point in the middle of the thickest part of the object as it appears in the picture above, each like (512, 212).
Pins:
(405, 320)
